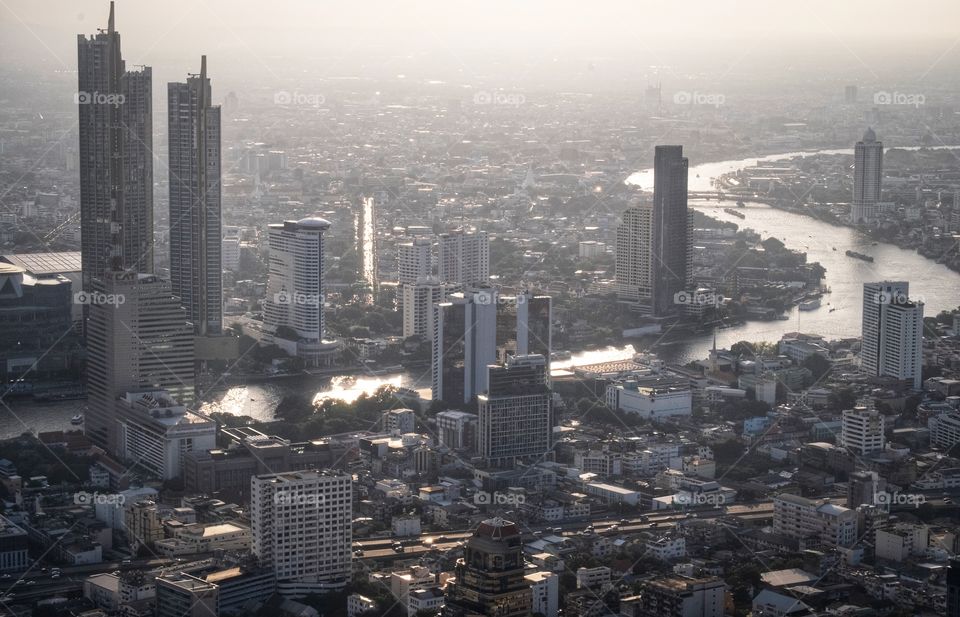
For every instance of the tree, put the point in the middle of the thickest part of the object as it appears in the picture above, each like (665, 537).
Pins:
(817, 364)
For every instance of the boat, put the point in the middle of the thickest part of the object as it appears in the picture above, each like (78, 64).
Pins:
(77, 419)
(731, 211)
(832, 309)
(810, 305)
(834, 248)
(860, 256)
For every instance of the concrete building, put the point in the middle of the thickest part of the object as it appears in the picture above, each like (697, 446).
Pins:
(515, 420)
(901, 542)
(398, 421)
(193, 137)
(680, 596)
(138, 338)
(419, 299)
(867, 179)
(862, 431)
(654, 400)
(182, 595)
(115, 108)
(156, 432)
(13, 547)
(892, 333)
(944, 430)
(293, 309)
(301, 523)
(816, 521)
(463, 345)
(457, 429)
(414, 260)
(464, 258)
(545, 590)
(634, 257)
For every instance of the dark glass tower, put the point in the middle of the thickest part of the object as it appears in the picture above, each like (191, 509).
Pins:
(195, 222)
(671, 249)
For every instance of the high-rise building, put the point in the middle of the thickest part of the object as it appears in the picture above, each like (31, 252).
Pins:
(634, 256)
(680, 596)
(953, 588)
(138, 338)
(464, 258)
(301, 524)
(116, 165)
(862, 431)
(524, 325)
(293, 309)
(414, 260)
(515, 422)
(418, 301)
(193, 135)
(863, 488)
(463, 345)
(867, 178)
(671, 237)
(489, 579)
(892, 343)
(182, 595)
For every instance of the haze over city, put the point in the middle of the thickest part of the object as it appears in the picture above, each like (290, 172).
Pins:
(448, 309)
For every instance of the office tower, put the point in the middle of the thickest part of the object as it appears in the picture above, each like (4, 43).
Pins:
(489, 579)
(464, 344)
(863, 488)
(116, 168)
(818, 522)
(862, 431)
(514, 413)
(671, 236)
(182, 595)
(193, 135)
(301, 524)
(293, 309)
(414, 260)
(634, 271)
(138, 338)
(867, 177)
(524, 326)
(464, 258)
(418, 301)
(953, 588)
(850, 94)
(892, 341)
(681, 596)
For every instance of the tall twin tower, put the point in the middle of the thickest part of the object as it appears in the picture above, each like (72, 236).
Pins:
(116, 176)
(146, 342)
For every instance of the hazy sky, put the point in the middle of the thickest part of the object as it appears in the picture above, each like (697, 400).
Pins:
(450, 39)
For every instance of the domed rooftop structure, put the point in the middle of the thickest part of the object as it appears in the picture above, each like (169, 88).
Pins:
(314, 222)
(497, 529)
(869, 135)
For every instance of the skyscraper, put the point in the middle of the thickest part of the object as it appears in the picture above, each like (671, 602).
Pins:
(293, 309)
(892, 333)
(671, 235)
(301, 525)
(195, 244)
(414, 260)
(488, 580)
(464, 258)
(634, 269)
(418, 301)
(515, 422)
(867, 177)
(116, 168)
(464, 344)
(138, 338)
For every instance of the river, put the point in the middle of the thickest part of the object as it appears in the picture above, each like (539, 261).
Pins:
(935, 284)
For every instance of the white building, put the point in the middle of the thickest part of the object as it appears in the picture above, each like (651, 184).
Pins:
(588, 249)
(862, 431)
(599, 577)
(634, 256)
(814, 520)
(892, 337)
(944, 430)
(156, 432)
(418, 300)
(901, 542)
(667, 548)
(652, 402)
(357, 605)
(429, 599)
(457, 429)
(546, 592)
(301, 524)
(414, 260)
(867, 179)
(293, 309)
(230, 248)
(400, 421)
(464, 258)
